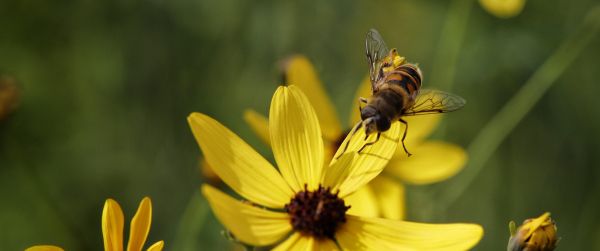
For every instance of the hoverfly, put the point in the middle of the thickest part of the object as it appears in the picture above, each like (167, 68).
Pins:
(396, 92)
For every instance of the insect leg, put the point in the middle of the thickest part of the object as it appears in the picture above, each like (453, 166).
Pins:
(404, 136)
(350, 135)
(370, 143)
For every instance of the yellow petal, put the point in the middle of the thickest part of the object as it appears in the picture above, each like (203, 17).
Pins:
(140, 225)
(300, 72)
(371, 161)
(363, 91)
(296, 138)
(363, 202)
(390, 197)
(419, 127)
(432, 161)
(44, 248)
(238, 165)
(299, 242)
(249, 224)
(158, 246)
(259, 124)
(112, 226)
(361, 233)
(338, 172)
(503, 8)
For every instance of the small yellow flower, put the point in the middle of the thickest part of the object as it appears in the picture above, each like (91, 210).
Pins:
(537, 234)
(503, 8)
(432, 161)
(112, 228)
(301, 205)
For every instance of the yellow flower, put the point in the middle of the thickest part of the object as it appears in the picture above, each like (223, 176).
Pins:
(534, 234)
(503, 8)
(112, 228)
(432, 161)
(301, 205)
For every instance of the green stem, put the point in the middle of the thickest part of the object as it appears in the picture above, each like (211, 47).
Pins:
(500, 126)
(191, 223)
(451, 40)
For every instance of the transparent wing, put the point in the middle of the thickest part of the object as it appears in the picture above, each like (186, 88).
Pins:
(377, 50)
(434, 101)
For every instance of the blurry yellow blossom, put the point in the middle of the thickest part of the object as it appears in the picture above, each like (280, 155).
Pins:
(432, 161)
(537, 234)
(302, 205)
(112, 228)
(503, 8)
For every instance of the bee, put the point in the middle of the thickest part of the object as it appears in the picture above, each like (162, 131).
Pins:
(396, 92)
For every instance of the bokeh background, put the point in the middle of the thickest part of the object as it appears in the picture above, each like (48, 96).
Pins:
(104, 89)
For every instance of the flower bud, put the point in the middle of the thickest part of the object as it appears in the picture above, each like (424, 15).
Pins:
(538, 234)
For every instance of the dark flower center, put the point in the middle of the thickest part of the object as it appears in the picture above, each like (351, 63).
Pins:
(318, 213)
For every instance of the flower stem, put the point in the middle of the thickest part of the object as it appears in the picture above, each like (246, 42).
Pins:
(191, 223)
(499, 127)
(451, 40)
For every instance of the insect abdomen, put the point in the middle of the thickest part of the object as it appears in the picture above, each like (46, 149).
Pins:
(406, 76)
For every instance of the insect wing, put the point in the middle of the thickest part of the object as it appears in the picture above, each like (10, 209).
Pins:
(434, 101)
(377, 50)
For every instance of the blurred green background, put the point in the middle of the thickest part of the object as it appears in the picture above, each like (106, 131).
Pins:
(105, 88)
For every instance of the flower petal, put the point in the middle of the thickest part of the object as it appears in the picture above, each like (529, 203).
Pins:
(158, 246)
(363, 91)
(259, 124)
(296, 138)
(363, 202)
(112, 226)
(299, 242)
(140, 225)
(335, 174)
(390, 197)
(432, 161)
(44, 248)
(300, 72)
(419, 127)
(503, 8)
(249, 224)
(371, 161)
(360, 233)
(238, 165)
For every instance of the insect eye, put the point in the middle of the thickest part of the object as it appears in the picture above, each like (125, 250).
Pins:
(383, 124)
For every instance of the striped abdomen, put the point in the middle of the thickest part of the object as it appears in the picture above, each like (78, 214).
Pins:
(408, 77)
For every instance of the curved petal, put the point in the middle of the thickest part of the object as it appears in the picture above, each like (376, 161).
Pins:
(238, 165)
(419, 127)
(249, 224)
(390, 197)
(371, 161)
(335, 174)
(432, 161)
(158, 246)
(140, 225)
(363, 91)
(296, 138)
(363, 202)
(360, 233)
(259, 124)
(299, 242)
(300, 72)
(503, 8)
(44, 248)
(112, 226)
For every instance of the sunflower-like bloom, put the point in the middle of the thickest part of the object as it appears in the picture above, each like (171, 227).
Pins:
(538, 234)
(112, 228)
(432, 161)
(301, 205)
(503, 8)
